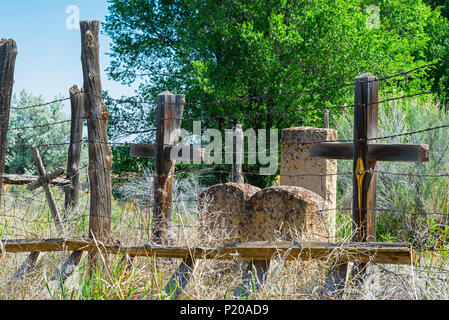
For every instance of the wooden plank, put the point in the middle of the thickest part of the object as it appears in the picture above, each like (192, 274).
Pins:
(170, 109)
(100, 154)
(45, 245)
(389, 253)
(8, 54)
(48, 177)
(149, 151)
(77, 99)
(69, 266)
(27, 179)
(184, 153)
(376, 152)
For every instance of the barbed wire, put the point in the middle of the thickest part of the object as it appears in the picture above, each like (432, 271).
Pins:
(41, 104)
(242, 99)
(235, 116)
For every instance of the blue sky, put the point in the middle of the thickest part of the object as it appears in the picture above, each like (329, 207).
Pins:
(49, 62)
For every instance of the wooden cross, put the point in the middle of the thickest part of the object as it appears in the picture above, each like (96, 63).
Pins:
(170, 109)
(365, 153)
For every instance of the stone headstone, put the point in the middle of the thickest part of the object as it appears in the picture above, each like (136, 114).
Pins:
(223, 213)
(317, 175)
(286, 213)
(247, 213)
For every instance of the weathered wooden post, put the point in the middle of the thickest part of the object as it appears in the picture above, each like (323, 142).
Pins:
(77, 99)
(166, 151)
(8, 54)
(364, 176)
(100, 154)
(365, 152)
(170, 108)
(237, 155)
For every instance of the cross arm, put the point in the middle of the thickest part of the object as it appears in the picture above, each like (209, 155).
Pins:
(376, 152)
(48, 178)
(149, 151)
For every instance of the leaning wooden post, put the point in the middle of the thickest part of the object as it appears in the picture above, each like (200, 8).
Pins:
(44, 181)
(100, 154)
(76, 135)
(364, 177)
(237, 154)
(168, 121)
(44, 178)
(8, 54)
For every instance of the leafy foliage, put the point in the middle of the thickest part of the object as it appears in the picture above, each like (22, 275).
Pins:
(19, 158)
(213, 50)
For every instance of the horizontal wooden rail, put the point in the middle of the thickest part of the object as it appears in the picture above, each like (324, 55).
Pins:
(376, 152)
(26, 179)
(388, 253)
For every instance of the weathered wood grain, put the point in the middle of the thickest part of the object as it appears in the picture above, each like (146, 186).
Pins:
(8, 54)
(27, 266)
(77, 100)
(376, 152)
(389, 253)
(16, 179)
(365, 127)
(170, 109)
(48, 177)
(69, 266)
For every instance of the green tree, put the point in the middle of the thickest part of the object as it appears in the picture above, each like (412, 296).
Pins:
(442, 4)
(19, 158)
(213, 50)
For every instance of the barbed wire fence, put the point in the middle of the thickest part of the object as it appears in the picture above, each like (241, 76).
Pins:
(25, 214)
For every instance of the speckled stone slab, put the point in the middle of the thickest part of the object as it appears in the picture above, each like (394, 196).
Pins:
(250, 214)
(223, 206)
(286, 213)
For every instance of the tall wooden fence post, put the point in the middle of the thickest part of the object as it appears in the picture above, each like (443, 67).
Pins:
(170, 109)
(100, 154)
(74, 154)
(8, 54)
